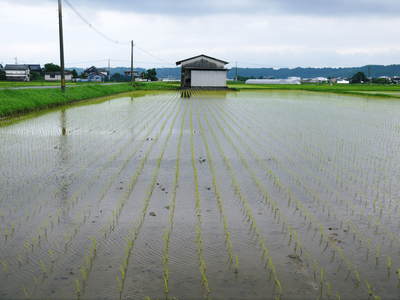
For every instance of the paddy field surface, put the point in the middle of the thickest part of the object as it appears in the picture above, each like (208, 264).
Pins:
(251, 194)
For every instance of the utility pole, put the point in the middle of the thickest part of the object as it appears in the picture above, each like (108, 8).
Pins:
(109, 70)
(132, 76)
(236, 77)
(61, 35)
(16, 60)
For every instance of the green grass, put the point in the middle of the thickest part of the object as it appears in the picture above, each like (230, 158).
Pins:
(7, 84)
(14, 102)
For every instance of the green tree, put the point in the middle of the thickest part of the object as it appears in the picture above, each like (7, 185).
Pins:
(74, 73)
(150, 74)
(50, 67)
(118, 77)
(381, 81)
(359, 77)
(2, 75)
(35, 76)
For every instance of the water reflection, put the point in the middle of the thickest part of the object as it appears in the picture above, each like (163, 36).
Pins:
(62, 180)
(211, 94)
(186, 93)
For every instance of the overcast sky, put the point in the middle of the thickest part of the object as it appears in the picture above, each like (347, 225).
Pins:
(255, 33)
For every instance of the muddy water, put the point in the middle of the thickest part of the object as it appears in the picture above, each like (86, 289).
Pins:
(222, 195)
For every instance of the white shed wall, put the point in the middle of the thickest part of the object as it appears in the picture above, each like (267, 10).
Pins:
(68, 77)
(204, 78)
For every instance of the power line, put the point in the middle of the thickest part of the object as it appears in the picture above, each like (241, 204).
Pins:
(105, 36)
(92, 26)
(154, 56)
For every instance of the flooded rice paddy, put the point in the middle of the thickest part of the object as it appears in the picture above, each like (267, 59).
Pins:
(223, 195)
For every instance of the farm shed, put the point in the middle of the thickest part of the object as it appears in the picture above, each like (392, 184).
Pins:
(203, 71)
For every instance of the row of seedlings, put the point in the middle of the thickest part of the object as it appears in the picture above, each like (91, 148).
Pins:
(135, 230)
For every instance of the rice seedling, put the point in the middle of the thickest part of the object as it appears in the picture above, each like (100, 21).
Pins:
(323, 235)
(169, 228)
(299, 206)
(72, 201)
(135, 230)
(199, 240)
(218, 196)
(330, 199)
(265, 252)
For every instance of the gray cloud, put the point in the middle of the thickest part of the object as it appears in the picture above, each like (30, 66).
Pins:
(205, 7)
(297, 7)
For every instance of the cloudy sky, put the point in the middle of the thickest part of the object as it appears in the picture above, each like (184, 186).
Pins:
(255, 33)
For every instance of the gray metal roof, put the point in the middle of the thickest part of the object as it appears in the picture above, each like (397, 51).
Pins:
(36, 68)
(16, 67)
(201, 55)
(58, 73)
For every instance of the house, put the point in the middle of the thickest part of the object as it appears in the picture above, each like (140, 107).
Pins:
(396, 79)
(96, 74)
(96, 78)
(290, 80)
(35, 68)
(203, 71)
(17, 72)
(129, 74)
(56, 76)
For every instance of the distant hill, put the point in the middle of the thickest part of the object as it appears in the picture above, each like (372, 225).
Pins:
(370, 71)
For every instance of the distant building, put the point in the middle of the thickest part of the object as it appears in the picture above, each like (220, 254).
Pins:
(315, 80)
(396, 79)
(290, 80)
(203, 71)
(96, 74)
(56, 76)
(129, 74)
(17, 72)
(343, 81)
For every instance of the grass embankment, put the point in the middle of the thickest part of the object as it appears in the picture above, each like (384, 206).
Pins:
(354, 89)
(11, 84)
(14, 102)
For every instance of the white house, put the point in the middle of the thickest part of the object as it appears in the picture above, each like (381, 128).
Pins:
(203, 71)
(56, 76)
(17, 72)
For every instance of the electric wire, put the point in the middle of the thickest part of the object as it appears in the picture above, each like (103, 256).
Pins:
(106, 37)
